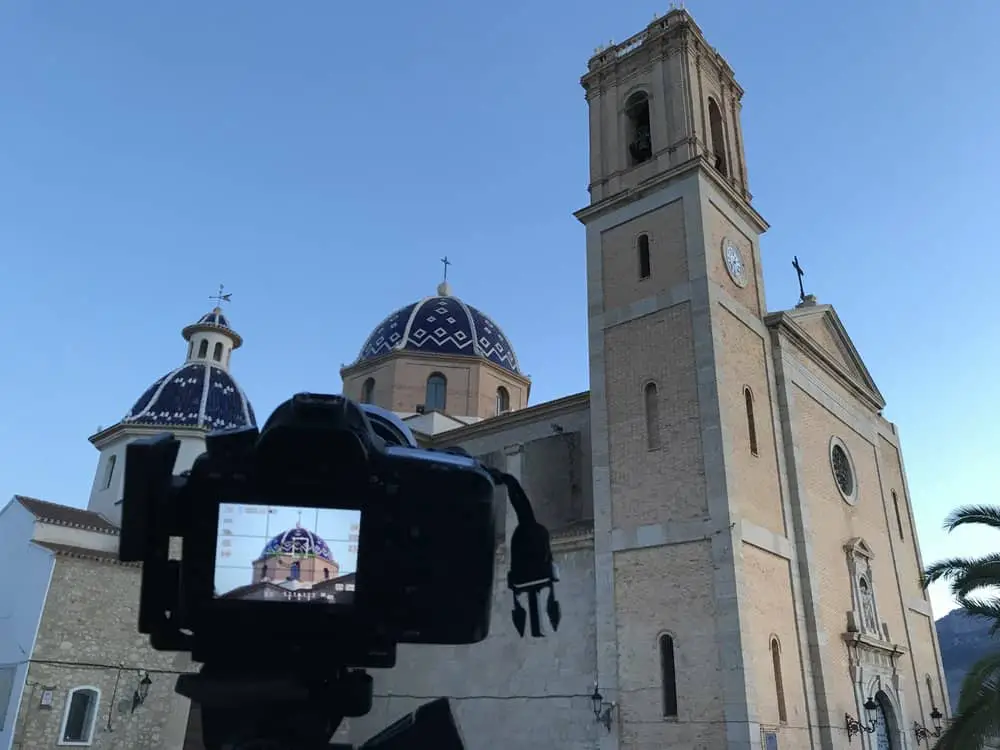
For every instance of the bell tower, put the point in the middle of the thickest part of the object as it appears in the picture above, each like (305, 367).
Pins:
(657, 101)
(686, 465)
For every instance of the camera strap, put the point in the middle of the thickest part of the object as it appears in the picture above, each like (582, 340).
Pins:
(531, 567)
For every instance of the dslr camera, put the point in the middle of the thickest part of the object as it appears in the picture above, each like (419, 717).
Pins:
(331, 537)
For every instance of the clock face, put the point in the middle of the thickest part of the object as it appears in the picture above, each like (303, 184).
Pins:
(735, 264)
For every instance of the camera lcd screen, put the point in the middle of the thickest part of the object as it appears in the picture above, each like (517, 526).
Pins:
(276, 553)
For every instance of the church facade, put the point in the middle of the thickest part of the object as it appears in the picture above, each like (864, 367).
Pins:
(729, 508)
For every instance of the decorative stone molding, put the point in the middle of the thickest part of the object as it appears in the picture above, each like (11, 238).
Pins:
(863, 618)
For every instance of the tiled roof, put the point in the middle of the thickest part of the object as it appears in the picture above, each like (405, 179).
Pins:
(70, 550)
(64, 515)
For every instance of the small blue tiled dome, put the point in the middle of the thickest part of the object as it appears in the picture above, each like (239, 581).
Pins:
(214, 318)
(441, 325)
(298, 541)
(213, 321)
(198, 394)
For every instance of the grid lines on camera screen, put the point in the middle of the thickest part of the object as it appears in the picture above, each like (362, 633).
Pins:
(286, 552)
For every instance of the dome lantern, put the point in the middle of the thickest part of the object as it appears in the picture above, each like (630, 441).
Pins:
(189, 401)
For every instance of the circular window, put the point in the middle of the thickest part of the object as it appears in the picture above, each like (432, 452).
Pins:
(843, 470)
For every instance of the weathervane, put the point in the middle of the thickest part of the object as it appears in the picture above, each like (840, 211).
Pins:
(801, 273)
(221, 297)
(446, 264)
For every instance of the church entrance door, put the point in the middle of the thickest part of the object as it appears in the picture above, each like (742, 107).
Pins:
(883, 729)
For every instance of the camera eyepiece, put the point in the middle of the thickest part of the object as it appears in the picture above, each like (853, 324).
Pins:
(315, 438)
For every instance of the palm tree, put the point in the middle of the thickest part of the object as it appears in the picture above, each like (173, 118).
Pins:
(975, 583)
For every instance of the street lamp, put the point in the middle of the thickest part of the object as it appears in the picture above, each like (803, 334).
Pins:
(856, 727)
(602, 709)
(923, 733)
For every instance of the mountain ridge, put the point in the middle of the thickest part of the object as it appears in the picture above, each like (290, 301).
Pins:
(964, 639)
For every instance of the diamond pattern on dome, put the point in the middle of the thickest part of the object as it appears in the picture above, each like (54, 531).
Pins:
(492, 343)
(298, 542)
(195, 395)
(387, 334)
(441, 325)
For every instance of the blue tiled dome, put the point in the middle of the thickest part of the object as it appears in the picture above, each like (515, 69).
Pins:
(198, 394)
(297, 541)
(441, 325)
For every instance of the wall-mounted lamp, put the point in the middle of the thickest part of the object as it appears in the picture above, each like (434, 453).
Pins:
(603, 711)
(923, 733)
(856, 727)
(141, 691)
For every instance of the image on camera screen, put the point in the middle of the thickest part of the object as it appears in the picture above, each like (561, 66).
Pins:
(279, 553)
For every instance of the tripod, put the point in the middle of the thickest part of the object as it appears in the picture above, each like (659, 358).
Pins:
(284, 711)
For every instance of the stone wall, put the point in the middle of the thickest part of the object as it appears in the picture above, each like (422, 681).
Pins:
(88, 637)
(532, 693)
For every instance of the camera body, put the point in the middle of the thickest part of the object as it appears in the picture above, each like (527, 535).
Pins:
(392, 543)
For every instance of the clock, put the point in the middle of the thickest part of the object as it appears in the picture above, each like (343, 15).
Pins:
(735, 265)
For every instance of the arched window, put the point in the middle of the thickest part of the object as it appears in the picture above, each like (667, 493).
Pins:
(190, 349)
(640, 144)
(326, 574)
(437, 391)
(899, 517)
(203, 349)
(217, 352)
(109, 471)
(668, 675)
(642, 245)
(368, 391)
(751, 422)
(295, 571)
(718, 140)
(79, 716)
(652, 402)
(263, 572)
(779, 684)
(503, 400)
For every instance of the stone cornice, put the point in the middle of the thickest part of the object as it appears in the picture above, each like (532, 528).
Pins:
(514, 419)
(783, 324)
(630, 195)
(870, 643)
(103, 437)
(676, 31)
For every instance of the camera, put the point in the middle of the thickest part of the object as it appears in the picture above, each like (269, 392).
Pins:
(330, 536)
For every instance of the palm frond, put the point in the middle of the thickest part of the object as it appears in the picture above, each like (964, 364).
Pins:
(988, 608)
(982, 679)
(984, 573)
(945, 570)
(987, 515)
(978, 717)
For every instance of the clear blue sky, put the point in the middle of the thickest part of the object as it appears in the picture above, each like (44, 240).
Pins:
(320, 157)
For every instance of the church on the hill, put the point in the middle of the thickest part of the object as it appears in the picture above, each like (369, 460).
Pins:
(729, 508)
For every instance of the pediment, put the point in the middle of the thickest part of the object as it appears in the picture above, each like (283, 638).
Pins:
(858, 546)
(821, 334)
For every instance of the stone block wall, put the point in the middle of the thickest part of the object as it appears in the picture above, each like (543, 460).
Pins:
(88, 637)
(524, 693)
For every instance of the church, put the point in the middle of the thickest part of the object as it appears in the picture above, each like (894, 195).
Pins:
(729, 508)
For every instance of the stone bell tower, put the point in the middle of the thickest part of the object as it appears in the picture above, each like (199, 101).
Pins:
(685, 453)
